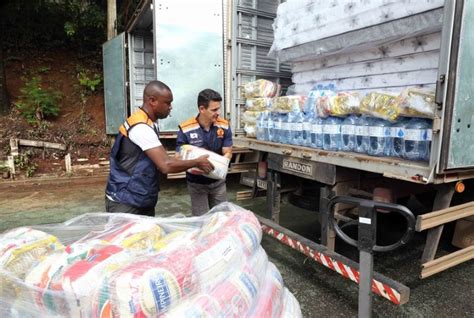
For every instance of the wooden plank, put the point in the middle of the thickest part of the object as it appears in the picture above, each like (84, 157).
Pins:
(235, 150)
(247, 194)
(243, 165)
(41, 144)
(442, 263)
(14, 147)
(433, 219)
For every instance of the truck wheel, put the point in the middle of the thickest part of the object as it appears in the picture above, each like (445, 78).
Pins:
(305, 201)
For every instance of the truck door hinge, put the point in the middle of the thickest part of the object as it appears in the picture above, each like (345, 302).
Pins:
(439, 92)
(436, 125)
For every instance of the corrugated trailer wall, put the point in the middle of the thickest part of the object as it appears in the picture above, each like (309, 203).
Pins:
(252, 37)
(141, 66)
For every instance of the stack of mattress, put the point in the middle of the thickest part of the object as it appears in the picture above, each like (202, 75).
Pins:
(359, 45)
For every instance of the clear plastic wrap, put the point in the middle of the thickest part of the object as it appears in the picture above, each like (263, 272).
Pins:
(212, 266)
(380, 104)
(20, 248)
(259, 104)
(415, 102)
(221, 163)
(250, 117)
(344, 103)
(261, 88)
(317, 97)
(305, 42)
(286, 104)
(250, 130)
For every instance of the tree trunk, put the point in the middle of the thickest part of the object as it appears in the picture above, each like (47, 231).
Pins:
(111, 19)
(4, 100)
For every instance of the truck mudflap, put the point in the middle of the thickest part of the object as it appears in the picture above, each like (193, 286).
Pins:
(383, 286)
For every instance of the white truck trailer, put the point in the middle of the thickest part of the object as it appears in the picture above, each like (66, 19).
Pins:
(192, 45)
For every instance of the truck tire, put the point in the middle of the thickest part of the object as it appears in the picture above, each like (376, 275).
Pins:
(305, 201)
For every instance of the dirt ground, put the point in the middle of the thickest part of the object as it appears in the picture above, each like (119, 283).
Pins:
(80, 124)
(321, 292)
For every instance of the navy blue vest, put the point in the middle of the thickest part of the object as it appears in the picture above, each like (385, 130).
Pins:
(134, 178)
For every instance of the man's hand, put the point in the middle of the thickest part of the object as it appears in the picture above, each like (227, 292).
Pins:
(204, 164)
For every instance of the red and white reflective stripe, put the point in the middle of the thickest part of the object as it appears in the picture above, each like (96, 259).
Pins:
(346, 271)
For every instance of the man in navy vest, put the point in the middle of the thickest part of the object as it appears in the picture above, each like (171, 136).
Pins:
(207, 130)
(137, 154)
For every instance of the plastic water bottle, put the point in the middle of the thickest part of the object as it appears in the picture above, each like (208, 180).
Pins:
(268, 127)
(348, 128)
(379, 137)
(266, 123)
(261, 123)
(285, 129)
(295, 120)
(418, 134)
(317, 132)
(362, 134)
(276, 130)
(332, 134)
(306, 140)
(310, 103)
(398, 138)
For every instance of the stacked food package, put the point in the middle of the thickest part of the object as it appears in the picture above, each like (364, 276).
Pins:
(259, 96)
(132, 266)
(220, 163)
(410, 102)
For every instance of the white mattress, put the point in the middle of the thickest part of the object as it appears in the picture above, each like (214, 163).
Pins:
(303, 21)
(405, 63)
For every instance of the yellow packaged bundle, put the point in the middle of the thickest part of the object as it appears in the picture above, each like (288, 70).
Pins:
(261, 88)
(259, 104)
(176, 237)
(344, 103)
(285, 104)
(23, 247)
(380, 104)
(20, 250)
(414, 102)
(132, 235)
(250, 117)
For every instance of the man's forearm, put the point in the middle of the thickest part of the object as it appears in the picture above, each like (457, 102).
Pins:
(174, 165)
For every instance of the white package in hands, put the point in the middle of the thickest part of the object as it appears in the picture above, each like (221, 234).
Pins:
(220, 163)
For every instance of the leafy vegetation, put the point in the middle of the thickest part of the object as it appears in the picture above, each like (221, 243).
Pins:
(36, 103)
(89, 81)
(45, 24)
(24, 162)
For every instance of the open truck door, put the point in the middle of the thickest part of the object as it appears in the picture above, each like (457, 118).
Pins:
(189, 53)
(114, 83)
(456, 87)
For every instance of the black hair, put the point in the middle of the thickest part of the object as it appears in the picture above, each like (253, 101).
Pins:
(153, 87)
(207, 95)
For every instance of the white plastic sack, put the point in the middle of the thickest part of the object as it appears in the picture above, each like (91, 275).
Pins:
(221, 163)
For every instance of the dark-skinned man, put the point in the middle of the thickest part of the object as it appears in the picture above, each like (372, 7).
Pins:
(138, 154)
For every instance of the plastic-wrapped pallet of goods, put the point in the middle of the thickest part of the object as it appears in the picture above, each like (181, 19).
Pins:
(132, 266)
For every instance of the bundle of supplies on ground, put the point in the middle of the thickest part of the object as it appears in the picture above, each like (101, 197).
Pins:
(221, 163)
(135, 266)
